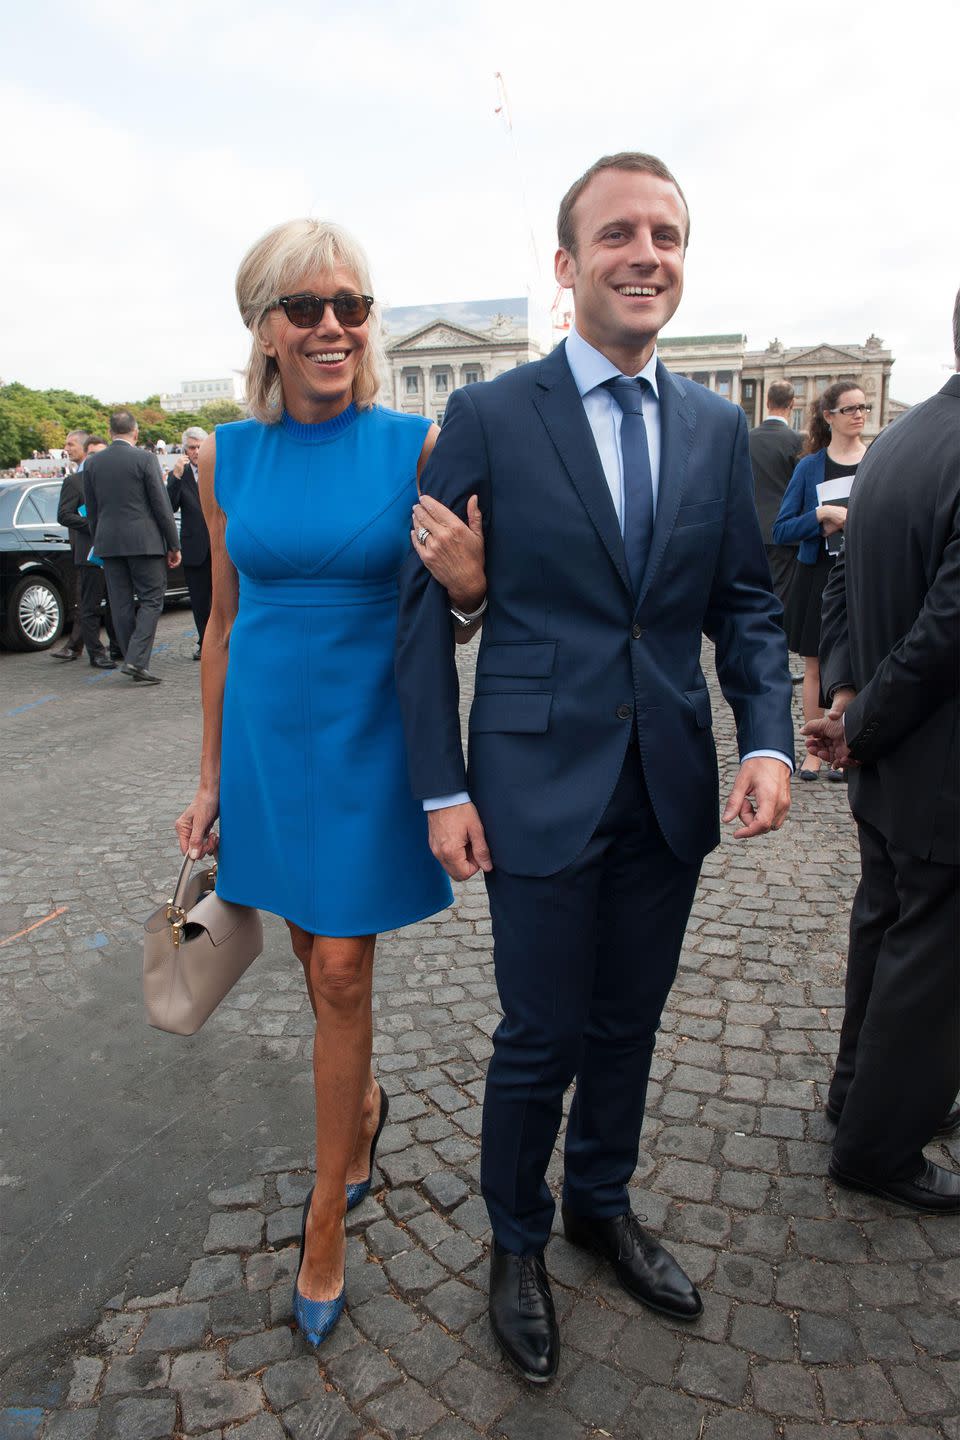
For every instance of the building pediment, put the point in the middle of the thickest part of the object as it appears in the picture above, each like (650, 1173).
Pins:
(441, 335)
(824, 355)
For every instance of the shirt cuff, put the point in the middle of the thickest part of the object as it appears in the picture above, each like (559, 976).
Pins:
(443, 802)
(769, 755)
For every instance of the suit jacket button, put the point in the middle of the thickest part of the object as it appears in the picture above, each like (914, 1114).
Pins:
(624, 712)
(636, 632)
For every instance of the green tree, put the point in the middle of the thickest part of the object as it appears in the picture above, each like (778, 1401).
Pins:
(219, 412)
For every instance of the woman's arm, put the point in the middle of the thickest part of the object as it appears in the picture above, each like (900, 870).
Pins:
(452, 551)
(194, 825)
(797, 519)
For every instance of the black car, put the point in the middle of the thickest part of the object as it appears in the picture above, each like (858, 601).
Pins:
(36, 570)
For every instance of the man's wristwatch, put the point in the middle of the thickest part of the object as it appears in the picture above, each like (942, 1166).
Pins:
(467, 620)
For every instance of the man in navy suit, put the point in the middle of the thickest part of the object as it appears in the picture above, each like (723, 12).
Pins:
(620, 525)
(184, 495)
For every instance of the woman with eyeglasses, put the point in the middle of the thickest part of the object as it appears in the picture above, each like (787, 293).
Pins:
(833, 450)
(309, 507)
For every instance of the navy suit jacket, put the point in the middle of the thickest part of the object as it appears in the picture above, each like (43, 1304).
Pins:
(184, 495)
(570, 660)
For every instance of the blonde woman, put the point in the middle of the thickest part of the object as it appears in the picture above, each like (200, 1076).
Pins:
(308, 505)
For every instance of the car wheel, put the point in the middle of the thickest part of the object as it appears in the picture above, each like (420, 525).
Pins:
(35, 614)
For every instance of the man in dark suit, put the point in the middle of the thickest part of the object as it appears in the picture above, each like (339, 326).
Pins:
(135, 535)
(74, 449)
(774, 448)
(620, 525)
(890, 662)
(194, 540)
(71, 513)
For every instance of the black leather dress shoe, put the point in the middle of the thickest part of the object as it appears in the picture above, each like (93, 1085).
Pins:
(522, 1317)
(137, 672)
(935, 1191)
(644, 1269)
(65, 654)
(103, 661)
(949, 1125)
(196, 653)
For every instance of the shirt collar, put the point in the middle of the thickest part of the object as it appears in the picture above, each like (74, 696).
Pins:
(778, 419)
(590, 368)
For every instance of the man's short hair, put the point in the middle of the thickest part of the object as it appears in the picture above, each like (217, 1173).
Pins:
(122, 423)
(956, 329)
(81, 435)
(780, 395)
(193, 432)
(92, 440)
(623, 160)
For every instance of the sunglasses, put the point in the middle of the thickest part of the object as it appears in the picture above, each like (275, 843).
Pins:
(306, 310)
(853, 410)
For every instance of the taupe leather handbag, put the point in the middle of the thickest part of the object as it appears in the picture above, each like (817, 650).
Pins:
(195, 948)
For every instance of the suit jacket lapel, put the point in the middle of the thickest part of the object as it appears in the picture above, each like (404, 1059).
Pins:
(561, 409)
(677, 425)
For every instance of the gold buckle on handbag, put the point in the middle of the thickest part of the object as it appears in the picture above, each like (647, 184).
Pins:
(177, 919)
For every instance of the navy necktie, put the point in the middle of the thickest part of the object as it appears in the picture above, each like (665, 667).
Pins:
(637, 477)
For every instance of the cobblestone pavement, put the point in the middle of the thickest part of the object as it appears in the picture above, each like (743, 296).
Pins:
(151, 1298)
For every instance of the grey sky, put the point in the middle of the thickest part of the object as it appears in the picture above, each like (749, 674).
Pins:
(145, 147)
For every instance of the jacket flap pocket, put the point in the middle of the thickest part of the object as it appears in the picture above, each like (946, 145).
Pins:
(529, 660)
(511, 712)
(701, 513)
(700, 700)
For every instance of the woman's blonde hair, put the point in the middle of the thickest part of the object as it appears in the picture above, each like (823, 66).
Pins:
(275, 266)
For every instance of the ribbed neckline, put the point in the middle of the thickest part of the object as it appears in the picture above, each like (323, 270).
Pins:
(323, 430)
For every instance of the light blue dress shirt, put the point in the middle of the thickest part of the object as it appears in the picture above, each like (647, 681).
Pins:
(590, 370)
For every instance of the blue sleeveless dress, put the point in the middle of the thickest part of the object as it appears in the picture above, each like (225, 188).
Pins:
(317, 820)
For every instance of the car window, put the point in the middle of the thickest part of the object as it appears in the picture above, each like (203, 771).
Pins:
(46, 498)
(29, 512)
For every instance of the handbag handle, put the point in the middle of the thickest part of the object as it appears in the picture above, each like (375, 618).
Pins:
(176, 915)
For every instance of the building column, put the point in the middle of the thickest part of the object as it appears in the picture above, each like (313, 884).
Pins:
(713, 380)
(735, 387)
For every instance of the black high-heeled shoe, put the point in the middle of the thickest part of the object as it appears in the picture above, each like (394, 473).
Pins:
(360, 1190)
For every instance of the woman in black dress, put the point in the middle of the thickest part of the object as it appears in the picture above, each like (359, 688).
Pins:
(833, 451)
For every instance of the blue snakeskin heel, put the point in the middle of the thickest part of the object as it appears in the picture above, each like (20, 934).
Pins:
(358, 1191)
(315, 1318)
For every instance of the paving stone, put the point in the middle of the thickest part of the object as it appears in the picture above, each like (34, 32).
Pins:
(444, 1190)
(254, 1352)
(240, 1313)
(455, 1305)
(599, 1396)
(687, 1180)
(734, 1425)
(661, 1414)
(261, 1427)
(325, 1415)
(414, 1273)
(920, 1392)
(459, 1252)
(427, 1354)
(177, 1327)
(743, 1190)
(472, 1217)
(765, 1235)
(716, 1372)
(361, 1372)
(212, 1276)
(744, 1277)
(136, 1372)
(290, 1380)
(87, 1374)
(136, 1418)
(785, 1390)
(860, 1393)
(404, 1203)
(66, 1425)
(882, 1285)
(477, 1395)
(763, 1331)
(806, 1285)
(937, 1332)
(405, 1411)
(284, 1226)
(268, 1267)
(648, 1351)
(830, 1240)
(451, 1428)
(384, 1319)
(883, 1337)
(827, 1340)
(234, 1230)
(537, 1418)
(248, 1192)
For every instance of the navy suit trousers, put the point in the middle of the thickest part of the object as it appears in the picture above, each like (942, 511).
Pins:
(584, 962)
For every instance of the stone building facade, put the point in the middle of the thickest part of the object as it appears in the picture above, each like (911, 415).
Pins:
(724, 364)
(427, 364)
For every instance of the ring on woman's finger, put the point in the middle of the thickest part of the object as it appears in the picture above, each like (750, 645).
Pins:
(422, 534)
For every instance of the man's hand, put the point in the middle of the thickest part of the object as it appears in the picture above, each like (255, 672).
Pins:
(173, 558)
(452, 552)
(760, 797)
(826, 738)
(458, 842)
(179, 465)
